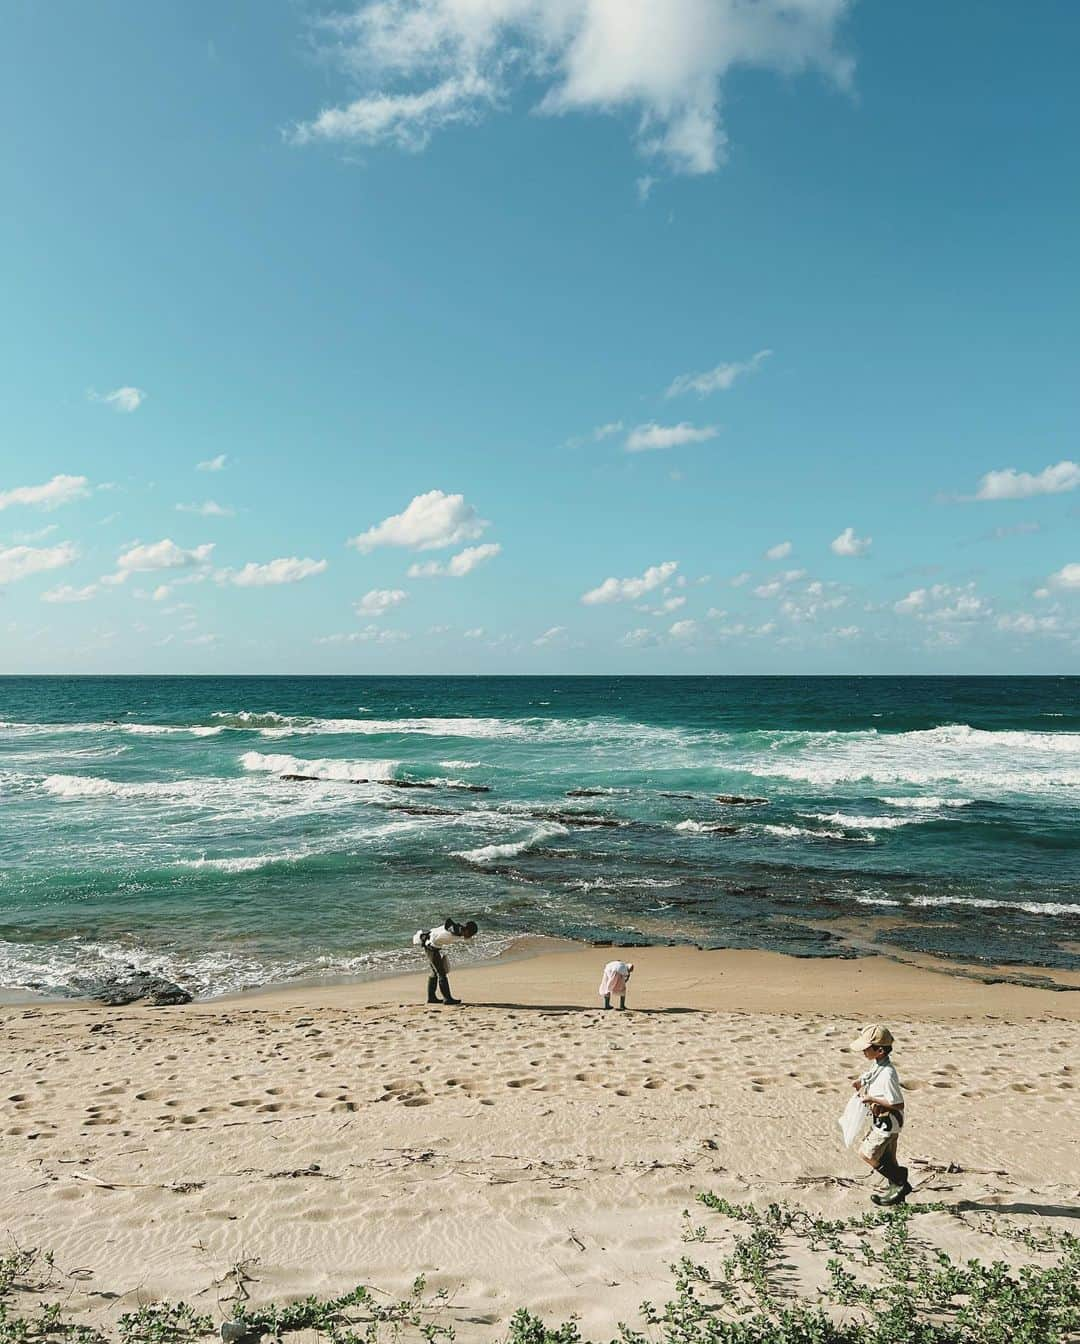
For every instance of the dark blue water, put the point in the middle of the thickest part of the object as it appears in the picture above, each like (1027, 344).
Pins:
(147, 820)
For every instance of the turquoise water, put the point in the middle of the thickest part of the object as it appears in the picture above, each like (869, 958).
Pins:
(145, 819)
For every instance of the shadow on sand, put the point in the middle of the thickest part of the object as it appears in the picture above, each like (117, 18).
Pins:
(1044, 1210)
(574, 1008)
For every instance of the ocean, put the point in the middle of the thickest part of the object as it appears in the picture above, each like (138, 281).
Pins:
(146, 820)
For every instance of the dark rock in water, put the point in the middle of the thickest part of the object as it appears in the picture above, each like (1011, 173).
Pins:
(117, 991)
(572, 818)
(413, 810)
(470, 788)
(719, 828)
(386, 783)
(737, 800)
(988, 938)
(586, 793)
(790, 937)
(690, 796)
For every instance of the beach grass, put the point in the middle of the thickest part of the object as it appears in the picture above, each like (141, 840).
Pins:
(878, 1282)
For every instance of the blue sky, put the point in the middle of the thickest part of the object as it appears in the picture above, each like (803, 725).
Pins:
(514, 335)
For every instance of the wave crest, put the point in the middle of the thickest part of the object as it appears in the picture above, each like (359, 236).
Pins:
(510, 850)
(322, 768)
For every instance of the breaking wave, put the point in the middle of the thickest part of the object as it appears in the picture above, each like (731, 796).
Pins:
(322, 768)
(857, 823)
(510, 850)
(992, 762)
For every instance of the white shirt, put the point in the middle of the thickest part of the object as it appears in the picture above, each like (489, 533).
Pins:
(440, 937)
(881, 1084)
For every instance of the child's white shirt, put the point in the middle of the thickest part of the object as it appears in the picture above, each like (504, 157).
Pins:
(881, 1083)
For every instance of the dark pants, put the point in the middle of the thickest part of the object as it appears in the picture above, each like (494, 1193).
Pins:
(439, 977)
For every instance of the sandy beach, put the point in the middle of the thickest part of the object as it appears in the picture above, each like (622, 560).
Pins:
(525, 1148)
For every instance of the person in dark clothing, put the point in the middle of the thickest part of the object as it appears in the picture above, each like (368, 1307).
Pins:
(435, 942)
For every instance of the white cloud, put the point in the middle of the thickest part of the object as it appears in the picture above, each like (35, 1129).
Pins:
(846, 632)
(210, 509)
(404, 120)
(720, 379)
(847, 543)
(811, 602)
(123, 399)
(944, 604)
(198, 640)
(665, 607)
(477, 632)
(66, 593)
(1013, 484)
(428, 523)
(740, 579)
(780, 551)
(641, 638)
(165, 554)
(779, 582)
(684, 630)
(742, 631)
(630, 590)
(914, 601)
(966, 606)
(370, 634)
(19, 562)
(427, 64)
(596, 435)
(648, 438)
(555, 635)
(1016, 530)
(287, 569)
(1023, 623)
(60, 490)
(458, 565)
(1066, 577)
(379, 601)
(213, 463)
(644, 187)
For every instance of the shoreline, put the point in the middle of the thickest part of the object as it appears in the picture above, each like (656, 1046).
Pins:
(672, 977)
(378, 986)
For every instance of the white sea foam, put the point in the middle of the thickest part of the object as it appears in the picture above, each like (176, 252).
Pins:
(853, 822)
(510, 850)
(927, 804)
(131, 729)
(701, 827)
(461, 765)
(805, 832)
(324, 769)
(974, 759)
(243, 864)
(977, 903)
(297, 725)
(88, 786)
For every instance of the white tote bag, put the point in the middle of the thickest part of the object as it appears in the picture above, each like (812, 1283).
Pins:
(853, 1121)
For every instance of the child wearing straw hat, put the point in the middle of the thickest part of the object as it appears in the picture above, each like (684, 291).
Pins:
(879, 1088)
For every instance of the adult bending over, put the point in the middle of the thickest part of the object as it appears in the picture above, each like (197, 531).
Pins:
(434, 942)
